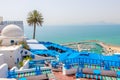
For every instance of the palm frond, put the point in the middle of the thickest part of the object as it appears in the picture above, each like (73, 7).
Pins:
(34, 17)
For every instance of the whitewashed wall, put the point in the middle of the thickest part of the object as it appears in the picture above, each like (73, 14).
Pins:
(3, 71)
(7, 41)
(28, 52)
(68, 71)
(14, 68)
(1, 59)
(10, 56)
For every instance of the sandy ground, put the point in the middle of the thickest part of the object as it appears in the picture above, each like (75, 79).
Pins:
(110, 49)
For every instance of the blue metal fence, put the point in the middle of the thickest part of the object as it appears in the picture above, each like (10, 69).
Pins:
(16, 74)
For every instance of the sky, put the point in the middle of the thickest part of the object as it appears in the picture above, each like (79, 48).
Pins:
(63, 12)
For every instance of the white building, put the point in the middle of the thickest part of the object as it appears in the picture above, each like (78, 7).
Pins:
(10, 37)
(12, 55)
(5, 23)
(11, 34)
(3, 67)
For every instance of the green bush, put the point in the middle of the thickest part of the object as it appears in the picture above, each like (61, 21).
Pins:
(21, 63)
(24, 44)
(28, 58)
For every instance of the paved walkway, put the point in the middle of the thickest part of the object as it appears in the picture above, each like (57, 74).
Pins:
(60, 76)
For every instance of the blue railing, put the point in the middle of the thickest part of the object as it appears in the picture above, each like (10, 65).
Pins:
(19, 74)
(106, 63)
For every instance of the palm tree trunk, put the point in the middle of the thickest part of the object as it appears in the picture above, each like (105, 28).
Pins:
(34, 31)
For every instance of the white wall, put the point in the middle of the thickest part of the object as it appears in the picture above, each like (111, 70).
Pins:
(14, 68)
(1, 59)
(68, 71)
(40, 77)
(7, 41)
(10, 56)
(18, 55)
(3, 71)
(28, 52)
(5, 23)
(42, 58)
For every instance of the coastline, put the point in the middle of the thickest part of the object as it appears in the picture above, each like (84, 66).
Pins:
(109, 49)
(60, 34)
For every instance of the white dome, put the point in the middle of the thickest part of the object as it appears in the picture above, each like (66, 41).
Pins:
(12, 31)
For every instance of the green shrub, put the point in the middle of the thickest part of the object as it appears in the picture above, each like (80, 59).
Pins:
(21, 63)
(24, 44)
(28, 58)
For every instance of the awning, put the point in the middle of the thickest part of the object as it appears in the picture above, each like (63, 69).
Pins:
(37, 46)
(32, 41)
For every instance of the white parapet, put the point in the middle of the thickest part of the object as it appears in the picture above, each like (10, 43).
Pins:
(64, 70)
(38, 77)
(14, 68)
(25, 66)
(3, 70)
(1, 59)
(68, 71)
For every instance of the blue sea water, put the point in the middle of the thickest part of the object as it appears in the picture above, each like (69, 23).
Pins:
(76, 33)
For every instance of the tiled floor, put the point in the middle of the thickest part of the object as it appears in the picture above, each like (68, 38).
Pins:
(60, 76)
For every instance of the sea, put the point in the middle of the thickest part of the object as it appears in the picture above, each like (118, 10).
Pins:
(108, 33)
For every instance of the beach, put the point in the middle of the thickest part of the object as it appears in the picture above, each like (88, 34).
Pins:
(107, 49)
(110, 49)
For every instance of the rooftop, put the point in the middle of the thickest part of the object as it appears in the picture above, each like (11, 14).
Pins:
(34, 44)
(12, 31)
(13, 47)
(32, 41)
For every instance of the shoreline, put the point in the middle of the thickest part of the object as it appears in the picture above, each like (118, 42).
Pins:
(109, 48)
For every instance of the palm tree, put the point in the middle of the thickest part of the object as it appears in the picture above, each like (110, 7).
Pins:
(34, 19)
